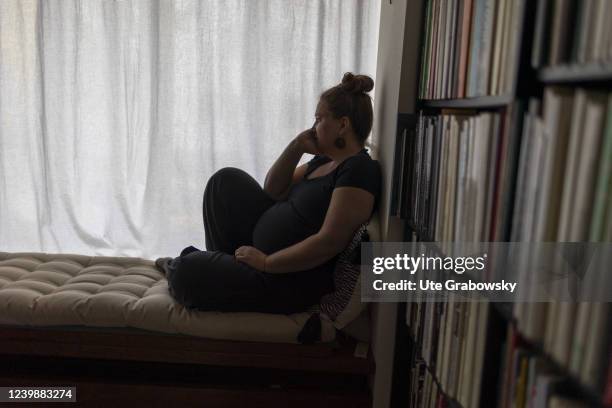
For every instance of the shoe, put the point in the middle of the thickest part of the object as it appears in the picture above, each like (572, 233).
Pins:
(161, 264)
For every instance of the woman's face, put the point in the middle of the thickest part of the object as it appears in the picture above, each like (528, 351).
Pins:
(327, 128)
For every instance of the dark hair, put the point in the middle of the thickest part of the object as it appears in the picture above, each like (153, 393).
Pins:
(350, 99)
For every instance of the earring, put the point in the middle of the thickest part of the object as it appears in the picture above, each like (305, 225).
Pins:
(340, 143)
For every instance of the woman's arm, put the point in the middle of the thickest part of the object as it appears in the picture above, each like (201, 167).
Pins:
(349, 208)
(283, 172)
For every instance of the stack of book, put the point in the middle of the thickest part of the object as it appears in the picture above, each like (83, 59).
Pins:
(450, 348)
(461, 169)
(450, 338)
(563, 191)
(564, 194)
(458, 175)
(471, 48)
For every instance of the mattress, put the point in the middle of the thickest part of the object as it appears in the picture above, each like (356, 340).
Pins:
(75, 290)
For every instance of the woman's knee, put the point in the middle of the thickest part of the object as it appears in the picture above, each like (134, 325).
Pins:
(227, 175)
(230, 172)
(229, 185)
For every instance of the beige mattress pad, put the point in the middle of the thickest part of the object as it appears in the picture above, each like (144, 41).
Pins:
(66, 290)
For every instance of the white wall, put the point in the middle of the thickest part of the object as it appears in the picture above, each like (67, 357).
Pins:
(396, 81)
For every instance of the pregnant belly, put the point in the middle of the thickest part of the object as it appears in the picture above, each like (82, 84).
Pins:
(280, 227)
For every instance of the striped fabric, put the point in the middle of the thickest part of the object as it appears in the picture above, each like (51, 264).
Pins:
(344, 303)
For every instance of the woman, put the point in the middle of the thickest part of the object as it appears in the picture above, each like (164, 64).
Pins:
(273, 249)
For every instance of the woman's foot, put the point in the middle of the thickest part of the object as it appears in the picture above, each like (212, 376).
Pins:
(161, 264)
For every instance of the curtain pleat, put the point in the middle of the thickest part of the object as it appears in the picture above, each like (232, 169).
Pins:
(114, 113)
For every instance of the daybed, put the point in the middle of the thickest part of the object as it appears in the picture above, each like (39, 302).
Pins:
(109, 327)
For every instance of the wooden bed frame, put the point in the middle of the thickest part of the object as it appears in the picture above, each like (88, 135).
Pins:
(110, 366)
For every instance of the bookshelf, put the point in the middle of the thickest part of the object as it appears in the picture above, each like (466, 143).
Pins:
(515, 99)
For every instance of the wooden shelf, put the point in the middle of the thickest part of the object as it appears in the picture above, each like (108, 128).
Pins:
(483, 102)
(575, 74)
(141, 346)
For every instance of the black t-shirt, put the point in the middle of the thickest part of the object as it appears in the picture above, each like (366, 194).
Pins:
(303, 212)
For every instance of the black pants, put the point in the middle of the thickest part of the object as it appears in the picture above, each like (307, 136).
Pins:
(214, 280)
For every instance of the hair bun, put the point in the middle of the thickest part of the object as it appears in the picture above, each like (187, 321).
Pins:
(356, 83)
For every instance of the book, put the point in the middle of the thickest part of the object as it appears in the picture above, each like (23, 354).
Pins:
(493, 220)
(590, 144)
(457, 337)
(462, 158)
(596, 344)
(559, 34)
(544, 384)
(515, 28)
(440, 357)
(407, 183)
(526, 151)
(425, 51)
(442, 178)
(505, 44)
(558, 401)
(466, 218)
(435, 180)
(557, 106)
(476, 35)
(498, 33)
(603, 188)
(468, 355)
(454, 82)
(598, 50)
(441, 49)
(541, 33)
(398, 166)
(607, 398)
(453, 7)
(435, 49)
(481, 335)
(509, 174)
(571, 166)
(521, 382)
(464, 55)
(492, 171)
(449, 36)
(484, 59)
(447, 356)
(449, 212)
(581, 333)
(480, 173)
(582, 32)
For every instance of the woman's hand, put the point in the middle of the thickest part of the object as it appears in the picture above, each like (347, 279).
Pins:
(285, 170)
(306, 141)
(252, 257)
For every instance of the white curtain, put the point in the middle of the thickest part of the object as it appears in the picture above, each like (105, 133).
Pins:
(114, 113)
